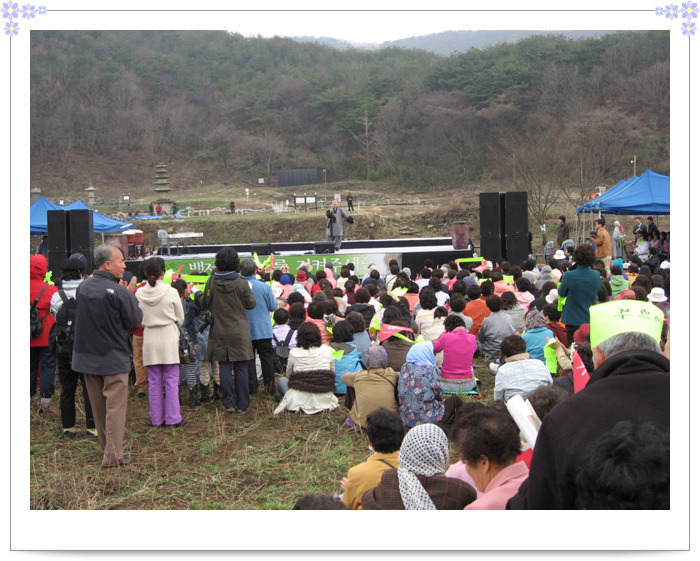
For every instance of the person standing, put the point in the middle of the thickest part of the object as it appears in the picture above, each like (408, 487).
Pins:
(163, 315)
(233, 206)
(73, 274)
(227, 296)
(151, 210)
(43, 248)
(638, 226)
(39, 346)
(562, 231)
(106, 313)
(260, 329)
(618, 238)
(349, 199)
(603, 243)
(334, 227)
(579, 285)
(651, 227)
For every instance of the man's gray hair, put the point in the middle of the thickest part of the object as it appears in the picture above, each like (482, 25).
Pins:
(632, 341)
(104, 253)
(248, 267)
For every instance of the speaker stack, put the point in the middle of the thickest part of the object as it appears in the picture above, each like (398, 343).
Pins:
(503, 222)
(69, 231)
(492, 227)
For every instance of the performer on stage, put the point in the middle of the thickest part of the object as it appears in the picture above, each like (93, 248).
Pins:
(334, 228)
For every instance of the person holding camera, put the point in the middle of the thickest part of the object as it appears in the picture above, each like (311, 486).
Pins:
(334, 227)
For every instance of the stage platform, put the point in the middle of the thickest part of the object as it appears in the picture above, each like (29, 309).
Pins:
(409, 252)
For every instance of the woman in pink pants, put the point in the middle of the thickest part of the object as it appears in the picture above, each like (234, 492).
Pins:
(162, 315)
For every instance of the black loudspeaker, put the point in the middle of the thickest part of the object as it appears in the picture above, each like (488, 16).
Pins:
(491, 214)
(517, 248)
(261, 248)
(57, 225)
(492, 248)
(324, 247)
(516, 214)
(81, 235)
(56, 257)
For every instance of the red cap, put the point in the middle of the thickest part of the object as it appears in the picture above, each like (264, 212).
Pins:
(582, 334)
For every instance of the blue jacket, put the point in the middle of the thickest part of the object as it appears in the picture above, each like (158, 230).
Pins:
(580, 287)
(536, 339)
(349, 362)
(259, 317)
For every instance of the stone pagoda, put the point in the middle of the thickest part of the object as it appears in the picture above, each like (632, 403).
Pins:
(162, 188)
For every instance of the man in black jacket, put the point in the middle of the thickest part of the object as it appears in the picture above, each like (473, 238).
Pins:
(631, 382)
(105, 315)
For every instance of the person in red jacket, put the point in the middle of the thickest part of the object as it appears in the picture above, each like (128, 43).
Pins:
(39, 355)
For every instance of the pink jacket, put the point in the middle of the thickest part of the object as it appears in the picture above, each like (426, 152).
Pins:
(501, 488)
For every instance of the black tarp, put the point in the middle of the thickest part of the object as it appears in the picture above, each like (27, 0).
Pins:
(292, 177)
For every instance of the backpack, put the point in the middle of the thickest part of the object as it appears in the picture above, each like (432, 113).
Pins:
(63, 331)
(188, 353)
(36, 323)
(282, 351)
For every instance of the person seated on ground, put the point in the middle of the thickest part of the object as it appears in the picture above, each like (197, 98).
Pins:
(627, 468)
(657, 296)
(437, 328)
(457, 304)
(476, 309)
(397, 347)
(530, 271)
(420, 391)
(423, 312)
(373, 388)
(536, 335)
(519, 374)
(541, 300)
(412, 295)
(511, 307)
(441, 295)
(320, 276)
(373, 296)
(282, 334)
(297, 315)
(384, 435)
(349, 289)
(330, 312)
(319, 502)
(310, 380)
(495, 328)
(551, 316)
(617, 282)
(457, 470)
(362, 305)
(458, 349)
(349, 359)
(545, 276)
(499, 285)
(489, 443)
(361, 337)
(523, 294)
(315, 312)
(390, 279)
(420, 482)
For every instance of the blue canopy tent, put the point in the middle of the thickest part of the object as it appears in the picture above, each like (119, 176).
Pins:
(648, 194)
(100, 224)
(594, 204)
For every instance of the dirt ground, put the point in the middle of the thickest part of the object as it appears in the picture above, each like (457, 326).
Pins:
(216, 460)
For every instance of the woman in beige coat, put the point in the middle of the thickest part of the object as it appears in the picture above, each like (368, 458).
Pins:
(163, 315)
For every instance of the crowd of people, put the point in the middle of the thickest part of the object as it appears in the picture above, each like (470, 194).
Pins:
(584, 339)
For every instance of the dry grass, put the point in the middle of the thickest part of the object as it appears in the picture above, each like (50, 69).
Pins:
(216, 461)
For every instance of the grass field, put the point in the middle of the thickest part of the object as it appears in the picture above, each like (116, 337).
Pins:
(216, 461)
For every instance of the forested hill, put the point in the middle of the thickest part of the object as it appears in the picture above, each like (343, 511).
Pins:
(547, 108)
(451, 42)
